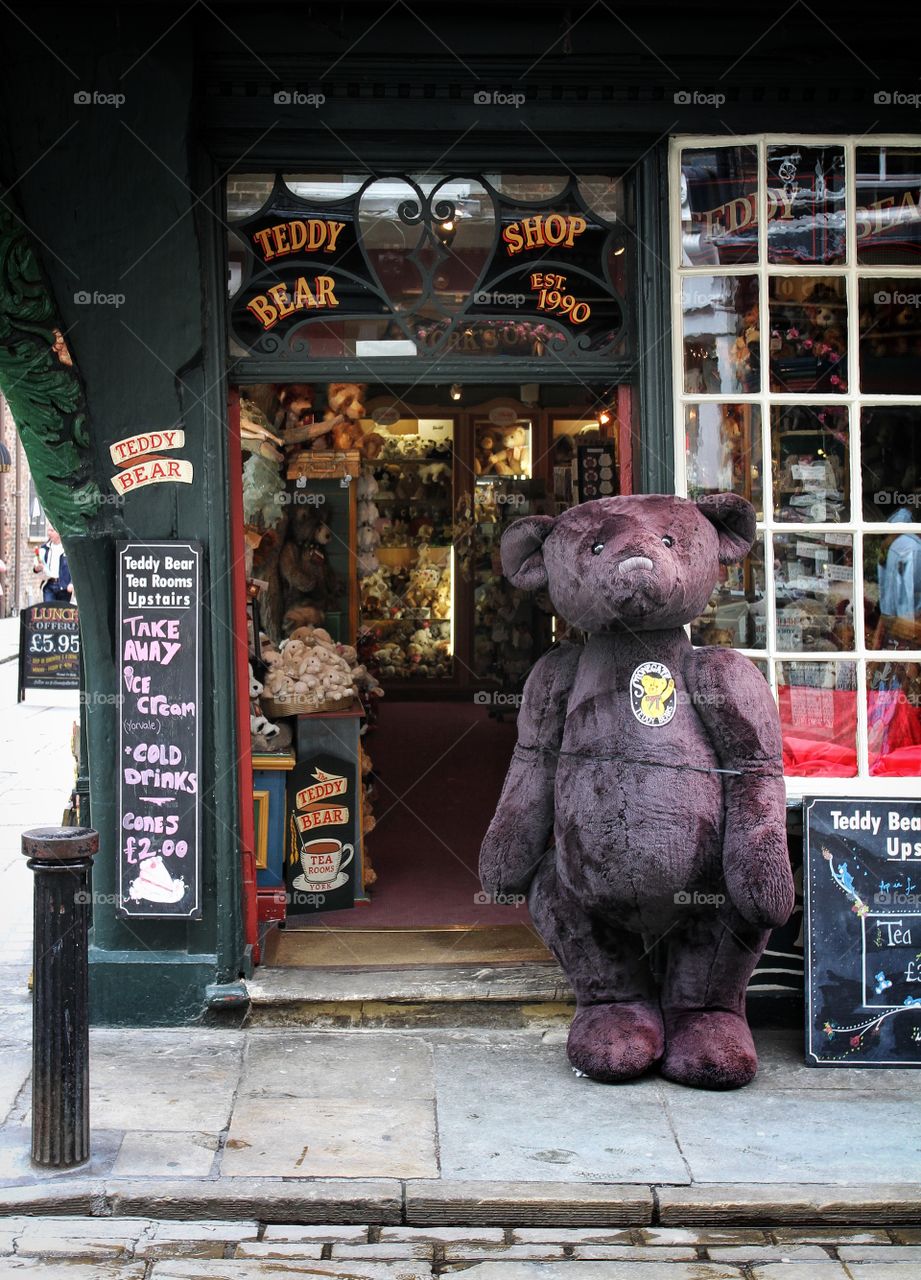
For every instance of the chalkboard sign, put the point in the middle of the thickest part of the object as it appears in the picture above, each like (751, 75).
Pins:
(322, 858)
(863, 932)
(49, 647)
(159, 664)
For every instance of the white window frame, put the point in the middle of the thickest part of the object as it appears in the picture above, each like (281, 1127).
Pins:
(797, 786)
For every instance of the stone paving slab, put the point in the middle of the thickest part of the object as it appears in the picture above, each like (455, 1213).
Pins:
(788, 1138)
(530, 1204)
(323, 1200)
(248, 1269)
(72, 1270)
(372, 1069)
(802, 1271)
(350, 1137)
(596, 1271)
(536, 1120)
(754, 1204)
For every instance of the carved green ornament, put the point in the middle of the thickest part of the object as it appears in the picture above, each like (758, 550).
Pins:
(41, 386)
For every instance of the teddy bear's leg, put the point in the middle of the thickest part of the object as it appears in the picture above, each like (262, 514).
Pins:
(709, 965)
(617, 1033)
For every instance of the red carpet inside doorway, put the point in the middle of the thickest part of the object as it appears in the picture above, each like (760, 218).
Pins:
(439, 767)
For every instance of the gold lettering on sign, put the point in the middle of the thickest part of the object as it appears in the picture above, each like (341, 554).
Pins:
(300, 235)
(283, 300)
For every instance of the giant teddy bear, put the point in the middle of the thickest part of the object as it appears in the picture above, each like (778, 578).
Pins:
(644, 802)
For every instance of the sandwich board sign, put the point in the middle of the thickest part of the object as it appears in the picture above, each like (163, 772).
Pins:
(863, 932)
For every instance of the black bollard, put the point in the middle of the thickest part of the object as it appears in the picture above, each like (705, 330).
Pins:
(61, 858)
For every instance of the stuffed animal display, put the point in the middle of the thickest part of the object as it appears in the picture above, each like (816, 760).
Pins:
(311, 665)
(645, 801)
(303, 565)
(502, 452)
(265, 735)
(340, 427)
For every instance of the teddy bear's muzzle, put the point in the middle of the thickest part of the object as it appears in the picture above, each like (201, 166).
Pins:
(635, 562)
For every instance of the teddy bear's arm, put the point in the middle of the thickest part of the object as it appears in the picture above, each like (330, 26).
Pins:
(735, 704)
(518, 834)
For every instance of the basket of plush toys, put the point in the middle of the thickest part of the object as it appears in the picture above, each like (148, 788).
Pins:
(310, 672)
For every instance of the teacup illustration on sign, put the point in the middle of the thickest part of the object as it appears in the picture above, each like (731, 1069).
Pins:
(324, 863)
(154, 883)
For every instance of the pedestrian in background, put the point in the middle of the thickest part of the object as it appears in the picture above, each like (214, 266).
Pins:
(51, 560)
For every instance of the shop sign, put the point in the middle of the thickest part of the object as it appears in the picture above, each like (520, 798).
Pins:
(49, 647)
(863, 932)
(159, 739)
(320, 866)
(139, 458)
(542, 285)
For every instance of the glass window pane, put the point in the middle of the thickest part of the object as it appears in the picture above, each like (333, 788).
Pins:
(892, 586)
(808, 347)
(247, 193)
(810, 458)
(719, 206)
(735, 615)
(889, 205)
(814, 591)
(805, 203)
(890, 335)
(818, 718)
(894, 718)
(721, 334)
(724, 450)
(890, 460)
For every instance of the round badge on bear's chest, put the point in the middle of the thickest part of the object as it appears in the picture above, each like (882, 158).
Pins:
(652, 694)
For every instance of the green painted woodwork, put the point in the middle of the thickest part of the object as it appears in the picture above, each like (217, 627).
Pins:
(41, 385)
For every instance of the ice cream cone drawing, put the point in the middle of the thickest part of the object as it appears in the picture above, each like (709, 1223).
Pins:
(155, 884)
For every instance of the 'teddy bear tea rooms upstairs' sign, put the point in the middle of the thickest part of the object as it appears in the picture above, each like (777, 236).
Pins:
(863, 932)
(159, 664)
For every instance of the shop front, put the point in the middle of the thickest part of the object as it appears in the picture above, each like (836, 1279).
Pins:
(337, 327)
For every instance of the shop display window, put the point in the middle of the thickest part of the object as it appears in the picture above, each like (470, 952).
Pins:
(825, 234)
(818, 718)
(724, 450)
(505, 638)
(890, 460)
(806, 201)
(407, 575)
(892, 587)
(888, 214)
(808, 334)
(735, 615)
(810, 452)
(894, 718)
(721, 334)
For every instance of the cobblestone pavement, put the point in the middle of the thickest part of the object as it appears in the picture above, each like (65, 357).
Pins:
(145, 1249)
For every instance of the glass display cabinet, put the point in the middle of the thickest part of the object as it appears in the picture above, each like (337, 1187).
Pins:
(405, 553)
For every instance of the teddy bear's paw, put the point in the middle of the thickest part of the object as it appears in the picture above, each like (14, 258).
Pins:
(709, 1049)
(616, 1042)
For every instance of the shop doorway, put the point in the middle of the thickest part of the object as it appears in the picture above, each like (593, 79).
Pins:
(371, 519)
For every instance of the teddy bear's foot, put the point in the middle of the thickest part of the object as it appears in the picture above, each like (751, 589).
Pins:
(709, 1049)
(614, 1042)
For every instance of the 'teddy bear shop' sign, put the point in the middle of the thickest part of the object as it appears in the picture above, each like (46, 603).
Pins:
(159, 742)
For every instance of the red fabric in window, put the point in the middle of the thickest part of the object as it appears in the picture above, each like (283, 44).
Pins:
(894, 727)
(819, 729)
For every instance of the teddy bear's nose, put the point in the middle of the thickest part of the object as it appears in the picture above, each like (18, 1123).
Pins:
(635, 562)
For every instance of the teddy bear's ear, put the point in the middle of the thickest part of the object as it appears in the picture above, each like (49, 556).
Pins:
(522, 549)
(734, 520)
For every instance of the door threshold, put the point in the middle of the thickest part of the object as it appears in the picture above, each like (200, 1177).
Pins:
(320, 947)
(513, 995)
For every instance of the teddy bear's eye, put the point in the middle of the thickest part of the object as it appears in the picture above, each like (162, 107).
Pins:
(597, 548)
(668, 542)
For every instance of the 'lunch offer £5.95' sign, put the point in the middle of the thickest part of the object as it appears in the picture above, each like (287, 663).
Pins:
(159, 665)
